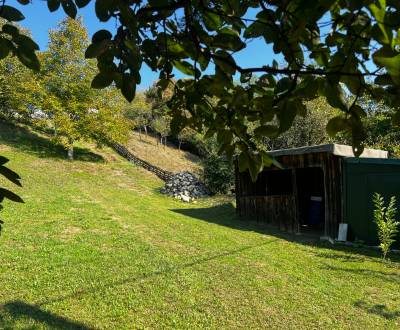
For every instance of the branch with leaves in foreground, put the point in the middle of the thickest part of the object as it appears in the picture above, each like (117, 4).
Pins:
(12, 177)
(336, 49)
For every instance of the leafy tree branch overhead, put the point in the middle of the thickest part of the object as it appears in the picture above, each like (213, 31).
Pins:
(339, 49)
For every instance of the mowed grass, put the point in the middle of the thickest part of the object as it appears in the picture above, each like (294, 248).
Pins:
(96, 246)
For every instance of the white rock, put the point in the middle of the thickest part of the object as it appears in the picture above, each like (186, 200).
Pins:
(185, 198)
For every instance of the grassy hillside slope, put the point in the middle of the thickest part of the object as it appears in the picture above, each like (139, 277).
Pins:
(96, 246)
(167, 157)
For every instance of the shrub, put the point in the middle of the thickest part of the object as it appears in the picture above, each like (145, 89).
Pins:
(218, 174)
(385, 220)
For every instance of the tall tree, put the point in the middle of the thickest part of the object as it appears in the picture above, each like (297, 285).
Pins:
(66, 77)
(107, 121)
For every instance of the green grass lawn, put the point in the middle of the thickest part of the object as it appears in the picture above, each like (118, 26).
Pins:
(96, 246)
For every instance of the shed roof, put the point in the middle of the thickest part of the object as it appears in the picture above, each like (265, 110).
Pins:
(334, 149)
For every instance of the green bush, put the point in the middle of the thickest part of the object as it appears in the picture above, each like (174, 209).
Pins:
(218, 174)
(385, 220)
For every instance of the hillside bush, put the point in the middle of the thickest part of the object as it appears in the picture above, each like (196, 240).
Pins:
(218, 174)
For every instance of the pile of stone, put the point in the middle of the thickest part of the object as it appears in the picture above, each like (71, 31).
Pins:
(185, 186)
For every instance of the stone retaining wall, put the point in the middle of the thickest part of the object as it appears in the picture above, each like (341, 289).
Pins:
(124, 152)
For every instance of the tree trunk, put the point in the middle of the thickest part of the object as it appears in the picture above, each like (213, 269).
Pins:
(179, 145)
(70, 151)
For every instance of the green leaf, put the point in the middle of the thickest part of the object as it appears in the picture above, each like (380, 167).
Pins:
(10, 29)
(10, 13)
(283, 85)
(353, 83)
(53, 5)
(358, 111)
(184, 67)
(378, 10)
(102, 10)
(96, 49)
(225, 62)
(128, 88)
(358, 135)
(229, 40)
(308, 88)
(334, 95)
(357, 150)
(255, 165)
(383, 80)
(224, 137)
(82, 3)
(26, 43)
(392, 65)
(267, 130)
(102, 80)
(69, 8)
(286, 114)
(336, 124)
(264, 104)
(254, 30)
(5, 47)
(29, 59)
(101, 35)
(267, 160)
(211, 21)
(204, 60)
(243, 161)
(4, 193)
(24, 2)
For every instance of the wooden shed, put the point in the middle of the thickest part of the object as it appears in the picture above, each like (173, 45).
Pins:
(309, 193)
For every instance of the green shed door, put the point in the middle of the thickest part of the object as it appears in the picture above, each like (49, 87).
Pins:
(363, 177)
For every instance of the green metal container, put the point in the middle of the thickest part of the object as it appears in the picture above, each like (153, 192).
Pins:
(362, 177)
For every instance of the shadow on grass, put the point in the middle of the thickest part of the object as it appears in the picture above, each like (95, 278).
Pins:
(16, 310)
(225, 215)
(342, 258)
(22, 138)
(393, 277)
(378, 309)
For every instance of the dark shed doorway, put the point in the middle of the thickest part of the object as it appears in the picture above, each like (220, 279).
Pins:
(310, 199)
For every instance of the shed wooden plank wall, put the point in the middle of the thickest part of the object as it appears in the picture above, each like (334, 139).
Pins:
(267, 208)
(275, 210)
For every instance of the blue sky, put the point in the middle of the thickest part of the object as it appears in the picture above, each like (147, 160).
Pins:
(39, 20)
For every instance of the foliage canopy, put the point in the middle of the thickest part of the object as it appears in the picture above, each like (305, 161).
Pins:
(337, 49)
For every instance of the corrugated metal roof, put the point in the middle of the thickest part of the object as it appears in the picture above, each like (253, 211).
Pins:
(335, 149)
